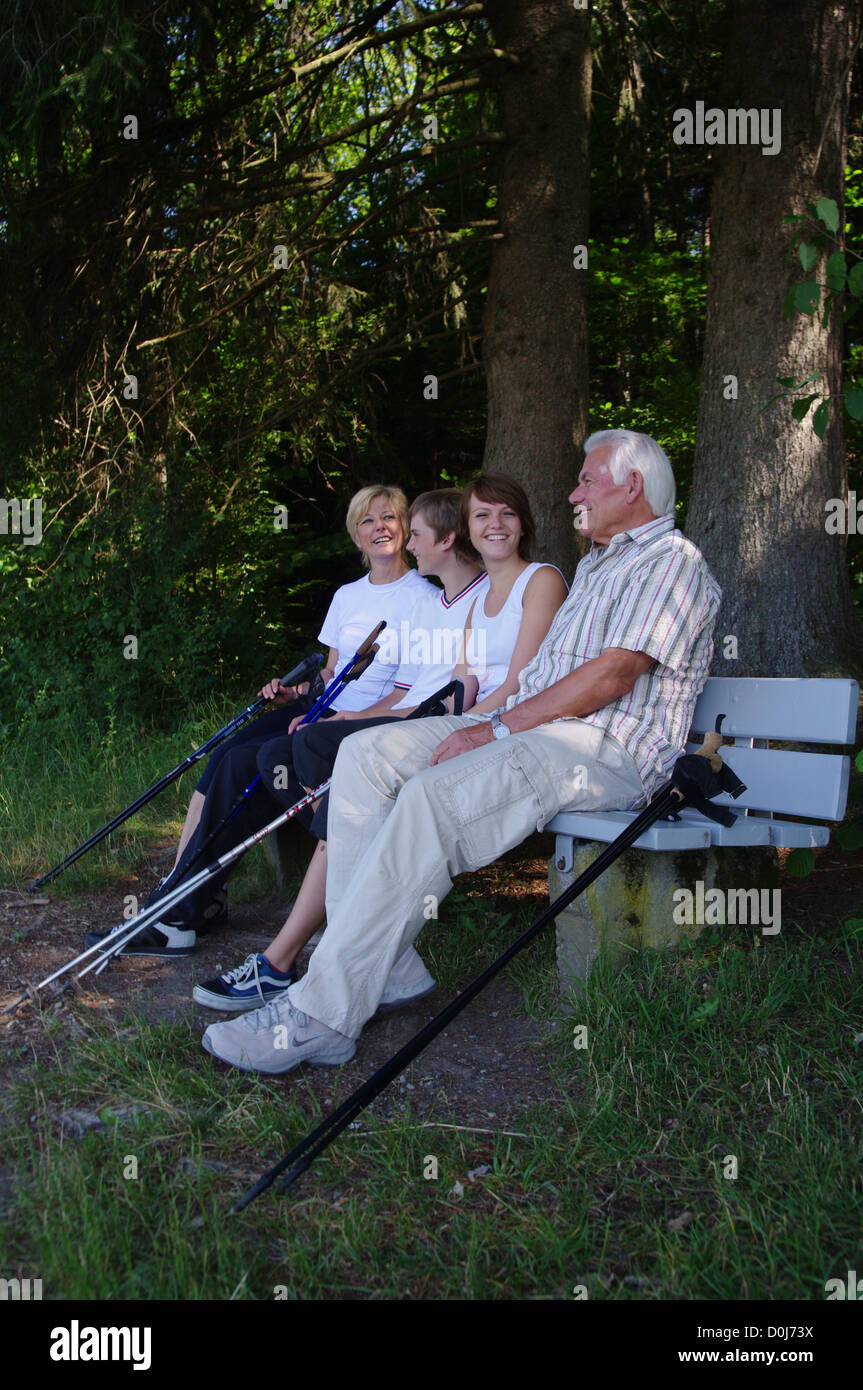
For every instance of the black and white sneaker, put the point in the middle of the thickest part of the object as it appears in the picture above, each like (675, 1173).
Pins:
(215, 914)
(158, 939)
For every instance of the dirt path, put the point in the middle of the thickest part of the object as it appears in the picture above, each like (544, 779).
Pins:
(468, 1070)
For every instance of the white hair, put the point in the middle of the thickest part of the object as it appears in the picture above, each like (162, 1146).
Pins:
(639, 453)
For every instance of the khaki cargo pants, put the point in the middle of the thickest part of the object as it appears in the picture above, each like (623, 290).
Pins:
(399, 831)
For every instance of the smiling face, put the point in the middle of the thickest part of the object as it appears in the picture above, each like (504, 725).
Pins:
(601, 506)
(379, 532)
(495, 529)
(426, 549)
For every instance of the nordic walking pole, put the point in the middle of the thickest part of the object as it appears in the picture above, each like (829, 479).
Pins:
(697, 777)
(366, 649)
(305, 669)
(351, 671)
(151, 914)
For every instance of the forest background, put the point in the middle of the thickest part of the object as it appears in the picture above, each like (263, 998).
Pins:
(255, 255)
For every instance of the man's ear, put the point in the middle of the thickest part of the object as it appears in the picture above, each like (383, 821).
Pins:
(448, 541)
(635, 489)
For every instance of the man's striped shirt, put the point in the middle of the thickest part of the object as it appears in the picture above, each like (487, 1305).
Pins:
(649, 590)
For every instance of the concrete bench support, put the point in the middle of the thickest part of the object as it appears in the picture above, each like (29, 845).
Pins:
(631, 906)
(289, 851)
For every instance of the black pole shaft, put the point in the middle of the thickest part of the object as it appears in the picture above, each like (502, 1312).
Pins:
(150, 793)
(299, 672)
(304, 1153)
(348, 673)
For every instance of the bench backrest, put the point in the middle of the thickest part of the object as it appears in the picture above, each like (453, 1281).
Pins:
(789, 711)
(793, 711)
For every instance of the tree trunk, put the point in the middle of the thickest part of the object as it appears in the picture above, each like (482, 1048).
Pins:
(761, 479)
(535, 323)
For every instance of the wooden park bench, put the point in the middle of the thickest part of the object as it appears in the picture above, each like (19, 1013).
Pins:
(790, 796)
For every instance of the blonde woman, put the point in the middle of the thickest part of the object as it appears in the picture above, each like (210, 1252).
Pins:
(377, 522)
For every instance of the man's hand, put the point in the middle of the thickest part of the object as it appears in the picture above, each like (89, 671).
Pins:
(462, 741)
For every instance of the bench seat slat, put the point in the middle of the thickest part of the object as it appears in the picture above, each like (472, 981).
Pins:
(690, 833)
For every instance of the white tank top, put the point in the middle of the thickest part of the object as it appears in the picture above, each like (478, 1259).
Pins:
(491, 642)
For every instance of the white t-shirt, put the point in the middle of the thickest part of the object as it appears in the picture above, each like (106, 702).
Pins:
(355, 610)
(435, 642)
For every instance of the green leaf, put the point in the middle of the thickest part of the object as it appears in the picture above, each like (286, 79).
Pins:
(854, 402)
(829, 213)
(704, 1011)
(820, 419)
(807, 297)
(785, 380)
(808, 254)
(836, 272)
(788, 305)
(800, 863)
(799, 408)
(855, 279)
(850, 836)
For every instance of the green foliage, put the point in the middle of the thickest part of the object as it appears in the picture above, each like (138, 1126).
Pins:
(816, 232)
(302, 129)
(800, 863)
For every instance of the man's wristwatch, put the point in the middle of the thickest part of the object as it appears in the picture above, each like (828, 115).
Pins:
(498, 728)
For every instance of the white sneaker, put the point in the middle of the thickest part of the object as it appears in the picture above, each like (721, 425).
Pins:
(276, 1039)
(408, 980)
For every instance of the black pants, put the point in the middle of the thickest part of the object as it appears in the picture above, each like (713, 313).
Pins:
(267, 763)
(314, 755)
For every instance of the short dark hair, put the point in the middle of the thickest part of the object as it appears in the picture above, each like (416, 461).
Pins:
(498, 487)
(441, 509)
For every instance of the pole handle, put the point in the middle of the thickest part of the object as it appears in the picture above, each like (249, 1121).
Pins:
(710, 745)
(364, 646)
(303, 669)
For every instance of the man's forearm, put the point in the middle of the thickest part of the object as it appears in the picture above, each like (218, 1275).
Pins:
(598, 682)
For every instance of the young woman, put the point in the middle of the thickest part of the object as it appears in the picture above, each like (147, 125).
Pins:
(377, 522)
(510, 619)
(509, 615)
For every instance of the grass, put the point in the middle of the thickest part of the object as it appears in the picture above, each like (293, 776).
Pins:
(61, 779)
(619, 1187)
(704, 1144)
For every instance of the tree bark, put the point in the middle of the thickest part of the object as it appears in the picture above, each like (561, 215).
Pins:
(761, 479)
(535, 322)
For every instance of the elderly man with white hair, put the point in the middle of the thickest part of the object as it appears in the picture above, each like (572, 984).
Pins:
(601, 714)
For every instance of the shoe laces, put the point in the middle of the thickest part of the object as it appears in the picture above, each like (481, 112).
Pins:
(279, 1012)
(121, 927)
(242, 973)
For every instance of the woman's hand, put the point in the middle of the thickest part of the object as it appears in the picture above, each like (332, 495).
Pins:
(280, 694)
